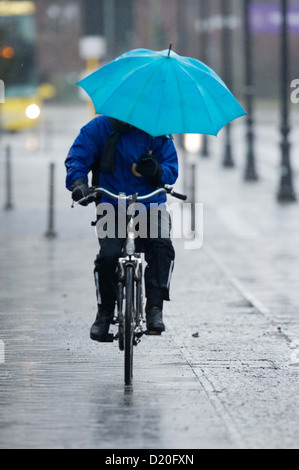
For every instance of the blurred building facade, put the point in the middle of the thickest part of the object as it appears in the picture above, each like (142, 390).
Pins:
(128, 24)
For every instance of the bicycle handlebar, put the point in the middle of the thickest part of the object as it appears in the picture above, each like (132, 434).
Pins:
(95, 192)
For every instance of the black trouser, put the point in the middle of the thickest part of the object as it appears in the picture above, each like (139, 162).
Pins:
(159, 255)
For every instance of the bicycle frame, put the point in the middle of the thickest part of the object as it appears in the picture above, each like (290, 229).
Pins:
(131, 258)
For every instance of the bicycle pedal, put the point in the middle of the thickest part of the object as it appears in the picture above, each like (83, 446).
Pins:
(153, 333)
(109, 338)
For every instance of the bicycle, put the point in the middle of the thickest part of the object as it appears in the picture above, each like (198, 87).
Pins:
(130, 314)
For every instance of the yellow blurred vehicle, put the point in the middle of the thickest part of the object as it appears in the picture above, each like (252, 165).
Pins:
(23, 105)
(21, 99)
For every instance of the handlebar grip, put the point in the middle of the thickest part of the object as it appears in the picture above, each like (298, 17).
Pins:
(183, 197)
(86, 200)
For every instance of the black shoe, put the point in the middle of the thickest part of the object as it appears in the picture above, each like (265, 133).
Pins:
(100, 329)
(154, 322)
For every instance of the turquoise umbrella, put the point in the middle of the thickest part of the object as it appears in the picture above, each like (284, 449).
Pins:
(162, 93)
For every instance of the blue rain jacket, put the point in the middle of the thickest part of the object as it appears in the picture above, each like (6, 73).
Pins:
(89, 145)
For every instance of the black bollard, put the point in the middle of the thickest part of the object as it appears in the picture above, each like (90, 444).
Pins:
(8, 179)
(286, 191)
(50, 232)
(193, 196)
(250, 169)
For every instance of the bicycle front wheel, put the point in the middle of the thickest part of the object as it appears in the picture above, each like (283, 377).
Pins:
(129, 325)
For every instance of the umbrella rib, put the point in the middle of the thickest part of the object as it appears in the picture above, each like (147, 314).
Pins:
(199, 90)
(180, 95)
(143, 88)
(162, 93)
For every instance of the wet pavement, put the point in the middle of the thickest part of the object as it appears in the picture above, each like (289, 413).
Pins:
(225, 373)
(59, 389)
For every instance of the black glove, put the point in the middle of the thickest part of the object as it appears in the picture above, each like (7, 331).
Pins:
(149, 166)
(80, 189)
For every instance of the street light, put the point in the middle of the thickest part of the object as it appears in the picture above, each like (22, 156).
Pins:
(250, 172)
(286, 191)
(204, 45)
(227, 73)
(192, 143)
(92, 49)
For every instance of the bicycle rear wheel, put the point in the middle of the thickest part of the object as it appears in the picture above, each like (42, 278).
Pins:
(129, 325)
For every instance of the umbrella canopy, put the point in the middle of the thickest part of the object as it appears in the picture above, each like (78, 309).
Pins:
(162, 93)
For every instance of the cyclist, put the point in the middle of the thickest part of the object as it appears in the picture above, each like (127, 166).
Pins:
(122, 158)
